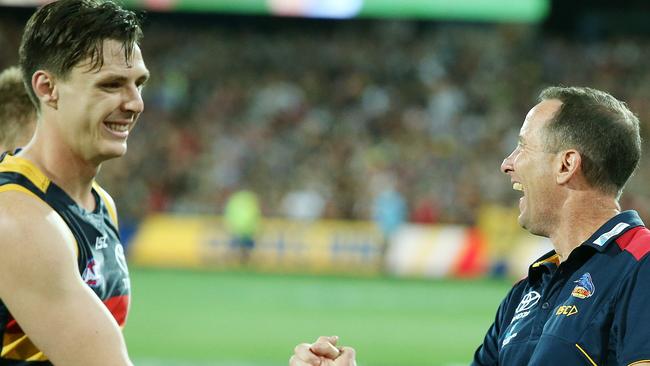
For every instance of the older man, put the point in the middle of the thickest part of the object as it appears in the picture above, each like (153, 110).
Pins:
(583, 303)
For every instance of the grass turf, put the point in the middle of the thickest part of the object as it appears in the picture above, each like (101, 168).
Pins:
(185, 318)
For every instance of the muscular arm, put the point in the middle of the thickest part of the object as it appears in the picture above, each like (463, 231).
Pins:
(43, 290)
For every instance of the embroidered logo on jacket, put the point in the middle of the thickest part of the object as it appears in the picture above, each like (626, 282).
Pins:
(528, 301)
(584, 288)
(509, 336)
(566, 310)
(610, 234)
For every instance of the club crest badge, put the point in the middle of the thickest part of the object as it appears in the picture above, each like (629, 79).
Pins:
(584, 288)
(92, 274)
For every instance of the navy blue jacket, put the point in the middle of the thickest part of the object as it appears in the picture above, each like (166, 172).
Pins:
(592, 309)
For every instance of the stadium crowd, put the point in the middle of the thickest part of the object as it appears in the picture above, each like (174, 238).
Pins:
(319, 119)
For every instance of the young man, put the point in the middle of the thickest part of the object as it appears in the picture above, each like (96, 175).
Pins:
(65, 286)
(585, 302)
(17, 112)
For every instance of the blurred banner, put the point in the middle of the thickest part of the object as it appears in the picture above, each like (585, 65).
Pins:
(472, 10)
(437, 251)
(332, 247)
(511, 249)
(283, 245)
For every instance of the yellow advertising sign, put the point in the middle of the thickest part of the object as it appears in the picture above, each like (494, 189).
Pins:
(203, 242)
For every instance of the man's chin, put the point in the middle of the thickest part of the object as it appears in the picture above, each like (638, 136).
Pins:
(535, 230)
(116, 149)
(523, 222)
(111, 152)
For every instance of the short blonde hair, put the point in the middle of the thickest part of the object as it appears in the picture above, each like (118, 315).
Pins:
(17, 112)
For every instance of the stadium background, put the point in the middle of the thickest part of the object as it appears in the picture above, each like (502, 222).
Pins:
(362, 154)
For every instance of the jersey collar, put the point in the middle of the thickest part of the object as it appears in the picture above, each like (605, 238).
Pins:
(546, 263)
(612, 229)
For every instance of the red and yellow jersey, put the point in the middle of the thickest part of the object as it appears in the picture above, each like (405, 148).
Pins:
(100, 255)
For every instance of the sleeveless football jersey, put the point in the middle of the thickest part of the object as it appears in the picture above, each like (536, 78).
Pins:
(100, 255)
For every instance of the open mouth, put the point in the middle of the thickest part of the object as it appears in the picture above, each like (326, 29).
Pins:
(520, 188)
(117, 127)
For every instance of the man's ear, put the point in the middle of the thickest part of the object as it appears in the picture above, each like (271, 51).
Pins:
(44, 85)
(568, 165)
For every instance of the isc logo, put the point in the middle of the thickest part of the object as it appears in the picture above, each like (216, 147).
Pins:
(101, 242)
(566, 310)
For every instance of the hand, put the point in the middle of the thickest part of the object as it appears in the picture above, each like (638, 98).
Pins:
(323, 352)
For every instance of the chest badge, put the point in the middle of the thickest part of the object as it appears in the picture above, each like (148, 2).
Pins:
(584, 288)
(92, 274)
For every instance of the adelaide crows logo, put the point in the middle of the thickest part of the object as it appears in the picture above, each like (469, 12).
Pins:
(584, 288)
(92, 274)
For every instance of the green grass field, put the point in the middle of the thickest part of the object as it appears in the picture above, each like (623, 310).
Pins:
(254, 319)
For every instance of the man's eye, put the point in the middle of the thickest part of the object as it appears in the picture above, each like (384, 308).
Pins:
(110, 85)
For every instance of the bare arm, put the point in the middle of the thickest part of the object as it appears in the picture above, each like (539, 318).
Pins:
(43, 290)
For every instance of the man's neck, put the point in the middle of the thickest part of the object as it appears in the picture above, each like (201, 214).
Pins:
(61, 165)
(581, 216)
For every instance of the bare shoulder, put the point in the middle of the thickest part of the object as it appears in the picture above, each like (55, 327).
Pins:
(35, 240)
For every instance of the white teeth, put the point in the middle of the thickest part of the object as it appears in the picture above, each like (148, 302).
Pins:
(517, 186)
(118, 127)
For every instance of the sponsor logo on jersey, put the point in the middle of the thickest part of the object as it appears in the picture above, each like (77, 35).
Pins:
(567, 310)
(101, 242)
(510, 335)
(120, 258)
(608, 235)
(518, 316)
(92, 274)
(528, 301)
(584, 288)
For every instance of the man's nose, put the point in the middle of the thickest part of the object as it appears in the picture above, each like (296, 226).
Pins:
(133, 101)
(506, 165)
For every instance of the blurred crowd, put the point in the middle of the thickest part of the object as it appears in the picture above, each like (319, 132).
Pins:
(346, 120)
